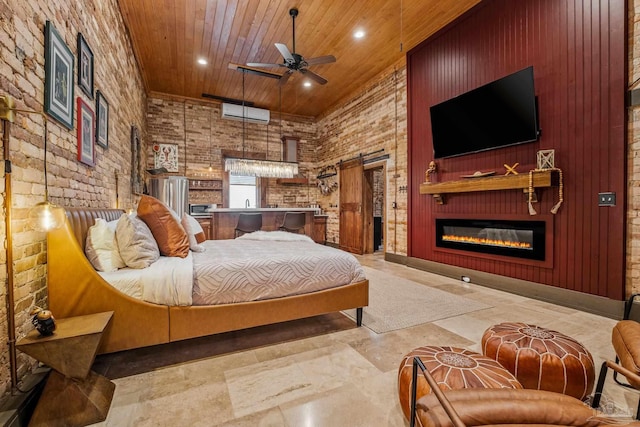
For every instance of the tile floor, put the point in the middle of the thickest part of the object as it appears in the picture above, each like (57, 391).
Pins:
(321, 371)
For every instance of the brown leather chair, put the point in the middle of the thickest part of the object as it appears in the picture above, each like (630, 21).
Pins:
(293, 222)
(248, 223)
(625, 339)
(504, 407)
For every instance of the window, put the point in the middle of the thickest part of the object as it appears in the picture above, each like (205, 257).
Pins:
(243, 190)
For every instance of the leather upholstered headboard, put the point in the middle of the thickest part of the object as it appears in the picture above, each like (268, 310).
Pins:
(83, 218)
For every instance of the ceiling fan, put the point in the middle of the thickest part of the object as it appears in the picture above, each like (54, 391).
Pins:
(294, 61)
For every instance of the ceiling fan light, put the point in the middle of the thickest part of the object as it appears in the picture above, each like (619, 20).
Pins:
(307, 83)
(359, 34)
(202, 61)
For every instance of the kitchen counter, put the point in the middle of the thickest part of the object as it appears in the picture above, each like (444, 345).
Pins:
(224, 220)
(254, 210)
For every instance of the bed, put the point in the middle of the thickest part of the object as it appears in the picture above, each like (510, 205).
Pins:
(76, 288)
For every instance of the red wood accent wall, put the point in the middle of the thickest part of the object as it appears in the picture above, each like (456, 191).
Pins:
(578, 52)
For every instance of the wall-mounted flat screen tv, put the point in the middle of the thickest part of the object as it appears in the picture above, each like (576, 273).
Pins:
(498, 114)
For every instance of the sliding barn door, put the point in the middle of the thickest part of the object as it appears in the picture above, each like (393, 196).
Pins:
(351, 206)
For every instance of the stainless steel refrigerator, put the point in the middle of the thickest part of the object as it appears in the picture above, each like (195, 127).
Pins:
(173, 191)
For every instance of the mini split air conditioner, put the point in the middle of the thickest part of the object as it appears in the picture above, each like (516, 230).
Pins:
(251, 114)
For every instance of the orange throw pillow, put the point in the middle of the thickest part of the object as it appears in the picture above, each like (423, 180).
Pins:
(166, 229)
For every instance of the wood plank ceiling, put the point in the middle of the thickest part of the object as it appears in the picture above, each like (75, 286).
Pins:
(170, 35)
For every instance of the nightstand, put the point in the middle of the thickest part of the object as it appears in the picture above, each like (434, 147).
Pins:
(74, 395)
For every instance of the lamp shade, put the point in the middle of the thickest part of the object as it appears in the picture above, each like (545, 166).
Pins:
(46, 216)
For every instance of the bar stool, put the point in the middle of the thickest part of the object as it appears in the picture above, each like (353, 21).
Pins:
(248, 223)
(293, 222)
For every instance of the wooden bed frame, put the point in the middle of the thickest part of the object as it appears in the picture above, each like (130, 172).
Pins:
(75, 289)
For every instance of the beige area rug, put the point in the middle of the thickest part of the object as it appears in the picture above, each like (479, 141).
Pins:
(397, 303)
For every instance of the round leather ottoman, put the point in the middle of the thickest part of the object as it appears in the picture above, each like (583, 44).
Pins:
(541, 358)
(452, 368)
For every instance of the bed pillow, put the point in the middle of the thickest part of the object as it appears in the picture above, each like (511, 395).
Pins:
(136, 244)
(166, 229)
(101, 248)
(193, 230)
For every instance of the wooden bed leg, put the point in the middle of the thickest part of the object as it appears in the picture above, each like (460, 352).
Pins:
(359, 316)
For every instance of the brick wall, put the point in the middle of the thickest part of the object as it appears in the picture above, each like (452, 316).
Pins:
(202, 135)
(71, 183)
(633, 163)
(372, 120)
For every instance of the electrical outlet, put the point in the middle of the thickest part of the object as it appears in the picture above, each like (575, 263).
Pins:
(394, 205)
(607, 199)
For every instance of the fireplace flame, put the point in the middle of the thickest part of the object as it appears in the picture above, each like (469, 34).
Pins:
(487, 242)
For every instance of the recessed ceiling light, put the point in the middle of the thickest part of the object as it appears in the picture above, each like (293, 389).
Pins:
(307, 84)
(202, 61)
(358, 34)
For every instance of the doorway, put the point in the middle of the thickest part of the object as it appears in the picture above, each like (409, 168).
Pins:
(362, 206)
(374, 208)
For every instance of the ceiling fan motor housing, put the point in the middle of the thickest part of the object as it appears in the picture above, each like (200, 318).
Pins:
(294, 61)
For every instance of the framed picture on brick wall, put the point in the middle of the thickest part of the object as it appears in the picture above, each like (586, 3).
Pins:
(166, 156)
(58, 77)
(102, 120)
(85, 66)
(86, 133)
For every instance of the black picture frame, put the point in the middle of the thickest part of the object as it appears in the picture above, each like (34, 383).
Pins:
(86, 134)
(102, 120)
(58, 77)
(85, 66)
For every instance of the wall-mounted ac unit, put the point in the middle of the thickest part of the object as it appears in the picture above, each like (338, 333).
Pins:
(251, 114)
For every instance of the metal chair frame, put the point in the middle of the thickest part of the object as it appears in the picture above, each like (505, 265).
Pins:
(616, 367)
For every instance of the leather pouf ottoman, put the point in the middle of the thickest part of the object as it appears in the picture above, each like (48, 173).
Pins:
(453, 368)
(541, 358)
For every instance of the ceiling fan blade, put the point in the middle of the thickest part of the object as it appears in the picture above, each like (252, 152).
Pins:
(321, 60)
(284, 51)
(285, 77)
(264, 65)
(313, 76)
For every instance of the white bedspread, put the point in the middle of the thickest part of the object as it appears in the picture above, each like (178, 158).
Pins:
(243, 269)
(167, 281)
(256, 266)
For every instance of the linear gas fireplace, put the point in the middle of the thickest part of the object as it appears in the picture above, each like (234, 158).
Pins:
(520, 239)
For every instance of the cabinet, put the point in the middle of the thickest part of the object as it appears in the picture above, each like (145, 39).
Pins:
(205, 223)
(320, 229)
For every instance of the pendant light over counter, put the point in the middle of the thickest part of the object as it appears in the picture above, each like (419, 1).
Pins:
(256, 167)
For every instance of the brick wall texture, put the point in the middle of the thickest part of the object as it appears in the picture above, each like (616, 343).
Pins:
(633, 163)
(201, 135)
(117, 76)
(373, 119)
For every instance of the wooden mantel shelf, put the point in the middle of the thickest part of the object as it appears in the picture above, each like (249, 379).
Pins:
(292, 181)
(541, 179)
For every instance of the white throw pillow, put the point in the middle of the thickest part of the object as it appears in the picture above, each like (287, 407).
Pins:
(192, 227)
(137, 246)
(101, 248)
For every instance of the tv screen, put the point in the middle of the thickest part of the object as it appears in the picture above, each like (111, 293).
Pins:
(498, 114)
